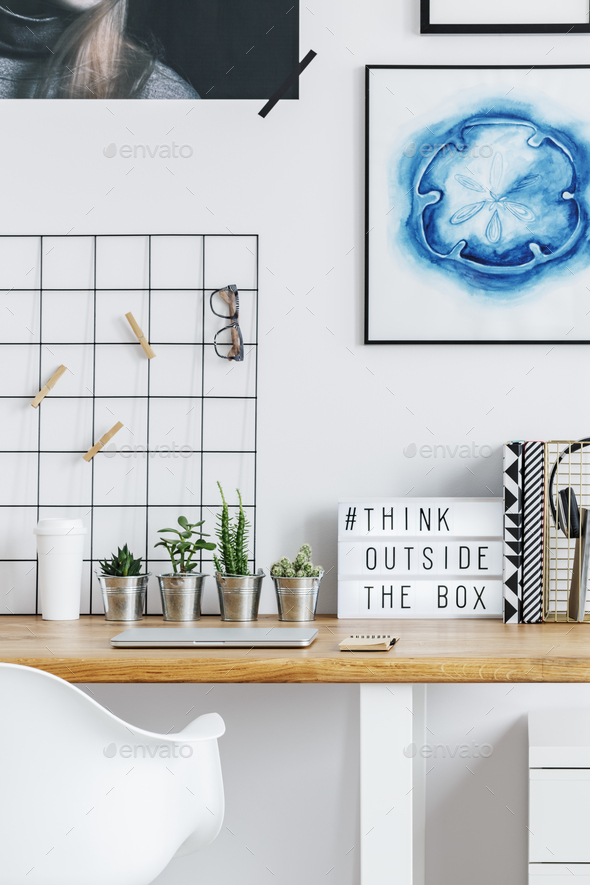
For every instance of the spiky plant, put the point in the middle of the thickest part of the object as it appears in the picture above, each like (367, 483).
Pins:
(122, 565)
(232, 534)
(182, 549)
(301, 567)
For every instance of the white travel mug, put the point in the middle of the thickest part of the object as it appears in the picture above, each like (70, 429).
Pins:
(60, 550)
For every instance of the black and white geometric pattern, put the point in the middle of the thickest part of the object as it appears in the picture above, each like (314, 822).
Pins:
(513, 519)
(533, 527)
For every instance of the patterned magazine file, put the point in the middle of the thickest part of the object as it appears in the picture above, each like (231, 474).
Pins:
(513, 504)
(420, 558)
(533, 529)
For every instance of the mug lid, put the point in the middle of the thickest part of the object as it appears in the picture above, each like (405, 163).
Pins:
(60, 527)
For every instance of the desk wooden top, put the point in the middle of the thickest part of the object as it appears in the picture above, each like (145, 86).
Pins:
(428, 651)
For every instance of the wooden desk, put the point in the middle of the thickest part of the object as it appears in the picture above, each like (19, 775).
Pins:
(428, 651)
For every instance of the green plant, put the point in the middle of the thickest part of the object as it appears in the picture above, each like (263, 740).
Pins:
(301, 567)
(123, 565)
(233, 540)
(182, 549)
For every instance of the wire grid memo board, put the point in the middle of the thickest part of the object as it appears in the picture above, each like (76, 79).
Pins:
(573, 472)
(190, 418)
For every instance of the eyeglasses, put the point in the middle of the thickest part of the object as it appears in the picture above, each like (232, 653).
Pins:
(235, 349)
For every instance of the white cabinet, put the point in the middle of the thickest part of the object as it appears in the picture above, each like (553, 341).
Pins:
(559, 874)
(559, 812)
(559, 797)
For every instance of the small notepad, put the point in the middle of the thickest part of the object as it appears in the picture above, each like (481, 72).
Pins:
(368, 642)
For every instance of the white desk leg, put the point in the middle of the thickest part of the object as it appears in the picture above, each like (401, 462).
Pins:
(419, 792)
(392, 784)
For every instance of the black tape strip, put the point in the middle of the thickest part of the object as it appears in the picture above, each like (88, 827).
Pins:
(284, 87)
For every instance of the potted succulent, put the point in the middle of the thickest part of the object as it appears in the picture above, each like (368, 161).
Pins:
(297, 585)
(123, 588)
(181, 589)
(239, 591)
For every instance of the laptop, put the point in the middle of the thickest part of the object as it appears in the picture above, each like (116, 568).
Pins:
(215, 637)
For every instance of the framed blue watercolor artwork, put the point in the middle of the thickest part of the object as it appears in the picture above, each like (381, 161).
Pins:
(477, 204)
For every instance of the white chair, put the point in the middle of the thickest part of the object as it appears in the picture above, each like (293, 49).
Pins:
(86, 799)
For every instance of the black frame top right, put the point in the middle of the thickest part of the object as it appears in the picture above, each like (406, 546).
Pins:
(545, 28)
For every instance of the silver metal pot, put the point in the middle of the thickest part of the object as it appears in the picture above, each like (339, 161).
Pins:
(239, 596)
(297, 598)
(123, 598)
(181, 596)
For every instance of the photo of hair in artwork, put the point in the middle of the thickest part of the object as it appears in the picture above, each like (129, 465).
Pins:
(147, 49)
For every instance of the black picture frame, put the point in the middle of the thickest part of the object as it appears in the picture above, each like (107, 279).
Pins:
(367, 339)
(427, 28)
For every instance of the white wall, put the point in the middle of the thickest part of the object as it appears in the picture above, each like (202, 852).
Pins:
(477, 806)
(328, 427)
(290, 762)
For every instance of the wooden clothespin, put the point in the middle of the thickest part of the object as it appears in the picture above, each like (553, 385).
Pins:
(51, 383)
(141, 337)
(102, 442)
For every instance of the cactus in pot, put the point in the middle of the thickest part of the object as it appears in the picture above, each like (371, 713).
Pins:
(122, 585)
(239, 591)
(297, 585)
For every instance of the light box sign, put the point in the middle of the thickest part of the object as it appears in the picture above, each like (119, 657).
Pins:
(420, 558)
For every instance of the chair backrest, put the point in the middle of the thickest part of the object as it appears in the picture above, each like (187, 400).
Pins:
(87, 798)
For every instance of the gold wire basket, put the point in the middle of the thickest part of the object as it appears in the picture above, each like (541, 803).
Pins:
(560, 566)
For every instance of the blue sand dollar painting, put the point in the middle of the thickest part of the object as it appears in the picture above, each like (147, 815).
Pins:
(478, 204)
(497, 216)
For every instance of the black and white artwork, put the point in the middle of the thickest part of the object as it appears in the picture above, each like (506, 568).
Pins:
(147, 49)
